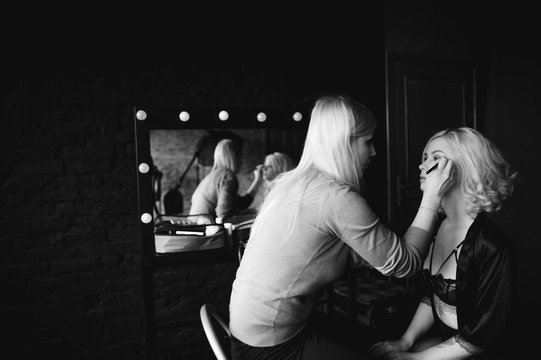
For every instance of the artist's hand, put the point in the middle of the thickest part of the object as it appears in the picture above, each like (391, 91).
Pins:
(258, 172)
(438, 180)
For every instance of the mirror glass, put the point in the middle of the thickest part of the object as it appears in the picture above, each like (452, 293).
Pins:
(180, 163)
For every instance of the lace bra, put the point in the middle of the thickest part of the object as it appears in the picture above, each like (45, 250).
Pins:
(444, 289)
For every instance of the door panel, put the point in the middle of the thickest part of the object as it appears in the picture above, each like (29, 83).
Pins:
(423, 97)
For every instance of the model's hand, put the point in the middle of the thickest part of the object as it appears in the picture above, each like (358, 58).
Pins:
(384, 349)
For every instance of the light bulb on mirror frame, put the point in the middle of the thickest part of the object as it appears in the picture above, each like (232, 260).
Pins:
(184, 116)
(223, 115)
(141, 115)
(146, 218)
(143, 168)
(261, 117)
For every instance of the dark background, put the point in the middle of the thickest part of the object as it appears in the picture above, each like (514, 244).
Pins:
(70, 252)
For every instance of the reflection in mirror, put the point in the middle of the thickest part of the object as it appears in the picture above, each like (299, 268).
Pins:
(183, 157)
(174, 153)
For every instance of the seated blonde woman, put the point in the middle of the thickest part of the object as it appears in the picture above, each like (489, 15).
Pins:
(469, 274)
(275, 164)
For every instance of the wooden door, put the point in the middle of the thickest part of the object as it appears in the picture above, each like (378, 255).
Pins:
(423, 97)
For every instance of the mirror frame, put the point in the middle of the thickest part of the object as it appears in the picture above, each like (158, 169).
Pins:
(148, 118)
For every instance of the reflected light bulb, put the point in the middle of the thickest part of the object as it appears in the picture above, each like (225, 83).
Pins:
(141, 115)
(297, 116)
(146, 218)
(223, 115)
(143, 168)
(184, 116)
(261, 117)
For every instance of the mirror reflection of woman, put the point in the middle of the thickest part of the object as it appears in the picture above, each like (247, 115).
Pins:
(469, 272)
(217, 194)
(276, 163)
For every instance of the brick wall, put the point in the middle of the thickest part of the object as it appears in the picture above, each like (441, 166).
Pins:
(70, 249)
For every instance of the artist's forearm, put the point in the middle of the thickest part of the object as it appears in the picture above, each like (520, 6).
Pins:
(254, 186)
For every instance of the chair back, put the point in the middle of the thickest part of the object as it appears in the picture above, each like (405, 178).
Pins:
(209, 317)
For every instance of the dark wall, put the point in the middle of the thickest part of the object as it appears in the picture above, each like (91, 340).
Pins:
(69, 243)
(513, 114)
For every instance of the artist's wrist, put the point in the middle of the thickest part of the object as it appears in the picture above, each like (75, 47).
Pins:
(429, 210)
(431, 202)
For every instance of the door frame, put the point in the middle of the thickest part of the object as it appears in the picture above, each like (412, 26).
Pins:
(461, 68)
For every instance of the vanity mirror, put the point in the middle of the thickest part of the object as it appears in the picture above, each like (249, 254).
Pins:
(174, 151)
(175, 146)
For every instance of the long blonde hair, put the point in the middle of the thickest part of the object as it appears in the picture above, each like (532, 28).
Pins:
(335, 123)
(226, 155)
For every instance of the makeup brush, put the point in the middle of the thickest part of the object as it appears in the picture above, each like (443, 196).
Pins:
(432, 168)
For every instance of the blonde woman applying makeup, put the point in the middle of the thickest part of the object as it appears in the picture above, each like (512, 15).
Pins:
(311, 221)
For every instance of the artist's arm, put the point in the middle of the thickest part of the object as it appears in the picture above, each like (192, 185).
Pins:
(227, 195)
(243, 201)
(258, 178)
(426, 216)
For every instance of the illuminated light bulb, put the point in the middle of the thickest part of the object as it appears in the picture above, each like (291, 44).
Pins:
(223, 115)
(184, 116)
(297, 116)
(141, 115)
(143, 168)
(146, 218)
(261, 117)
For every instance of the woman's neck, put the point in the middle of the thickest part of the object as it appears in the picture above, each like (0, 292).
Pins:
(455, 208)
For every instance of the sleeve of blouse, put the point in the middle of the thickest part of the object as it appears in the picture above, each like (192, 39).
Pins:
(244, 201)
(488, 321)
(227, 194)
(354, 222)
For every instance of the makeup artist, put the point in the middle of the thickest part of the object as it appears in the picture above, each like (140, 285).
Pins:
(312, 219)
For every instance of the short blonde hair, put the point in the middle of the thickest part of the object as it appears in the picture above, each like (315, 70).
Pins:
(226, 155)
(281, 162)
(483, 175)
